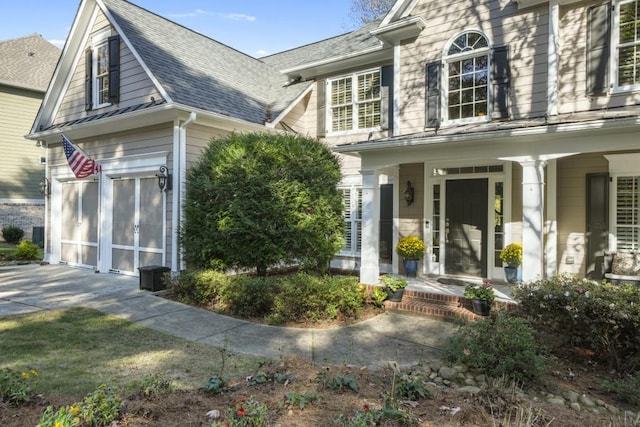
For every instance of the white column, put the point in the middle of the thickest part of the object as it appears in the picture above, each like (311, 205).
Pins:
(395, 173)
(532, 219)
(369, 256)
(551, 223)
(552, 58)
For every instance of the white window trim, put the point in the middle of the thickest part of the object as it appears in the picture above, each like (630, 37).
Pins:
(98, 40)
(620, 166)
(444, 79)
(354, 103)
(614, 57)
(355, 222)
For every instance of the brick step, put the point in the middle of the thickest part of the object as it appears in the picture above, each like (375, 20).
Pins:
(411, 295)
(432, 310)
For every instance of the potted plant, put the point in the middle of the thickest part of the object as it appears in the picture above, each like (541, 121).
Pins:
(394, 287)
(512, 256)
(411, 249)
(481, 297)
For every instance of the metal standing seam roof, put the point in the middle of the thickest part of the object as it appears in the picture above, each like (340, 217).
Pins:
(28, 62)
(198, 71)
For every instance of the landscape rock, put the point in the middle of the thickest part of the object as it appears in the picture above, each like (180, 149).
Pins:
(469, 389)
(575, 406)
(571, 396)
(446, 373)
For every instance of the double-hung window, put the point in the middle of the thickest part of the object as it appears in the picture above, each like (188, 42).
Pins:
(355, 101)
(102, 71)
(626, 39)
(627, 223)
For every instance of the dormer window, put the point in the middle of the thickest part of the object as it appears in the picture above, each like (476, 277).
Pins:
(102, 64)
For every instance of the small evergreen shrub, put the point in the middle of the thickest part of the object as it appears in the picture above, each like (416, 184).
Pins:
(248, 296)
(597, 316)
(12, 234)
(502, 345)
(27, 251)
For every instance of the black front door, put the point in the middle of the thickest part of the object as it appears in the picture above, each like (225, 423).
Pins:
(466, 227)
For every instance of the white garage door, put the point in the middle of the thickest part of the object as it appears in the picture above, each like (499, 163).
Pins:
(79, 223)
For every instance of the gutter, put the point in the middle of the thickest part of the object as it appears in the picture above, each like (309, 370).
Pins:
(177, 213)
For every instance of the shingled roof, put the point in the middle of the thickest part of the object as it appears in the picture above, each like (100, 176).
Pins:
(28, 62)
(200, 72)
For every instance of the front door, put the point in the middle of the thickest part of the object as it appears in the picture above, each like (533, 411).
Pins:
(466, 227)
(138, 224)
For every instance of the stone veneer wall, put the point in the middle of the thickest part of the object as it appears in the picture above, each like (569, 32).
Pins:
(23, 215)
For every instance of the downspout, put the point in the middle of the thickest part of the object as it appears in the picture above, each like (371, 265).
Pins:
(179, 172)
(553, 58)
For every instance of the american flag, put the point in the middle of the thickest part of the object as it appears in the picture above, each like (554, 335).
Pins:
(81, 164)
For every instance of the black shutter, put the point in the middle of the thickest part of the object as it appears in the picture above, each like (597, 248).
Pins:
(386, 109)
(500, 81)
(598, 49)
(114, 69)
(88, 80)
(433, 94)
(322, 108)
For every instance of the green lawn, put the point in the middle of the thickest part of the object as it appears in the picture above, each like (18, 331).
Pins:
(77, 349)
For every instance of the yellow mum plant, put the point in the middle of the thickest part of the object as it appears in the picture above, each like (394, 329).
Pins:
(410, 247)
(512, 254)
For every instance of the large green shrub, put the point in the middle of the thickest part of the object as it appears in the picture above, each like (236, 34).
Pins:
(597, 316)
(12, 234)
(502, 345)
(258, 200)
(249, 296)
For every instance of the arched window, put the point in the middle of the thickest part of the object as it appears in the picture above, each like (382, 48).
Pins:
(466, 77)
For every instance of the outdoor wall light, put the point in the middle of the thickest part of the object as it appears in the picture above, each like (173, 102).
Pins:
(45, 187)
(408, 193)
(164, 179)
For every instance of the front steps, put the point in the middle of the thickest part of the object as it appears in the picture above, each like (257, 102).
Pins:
(438, 306)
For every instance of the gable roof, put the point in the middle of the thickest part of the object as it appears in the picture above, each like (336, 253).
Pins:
(199, 72)
(27, 62)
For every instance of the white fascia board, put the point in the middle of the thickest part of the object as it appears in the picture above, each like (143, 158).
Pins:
(290, 107)
(526, 134)
(399, 10)
(124, 37)
(340, 63)
(400, 30)
(68, 60)
(523, 4)
(154, 115)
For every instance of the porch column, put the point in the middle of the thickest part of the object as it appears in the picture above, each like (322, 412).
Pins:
(532, 219)
(369, 256)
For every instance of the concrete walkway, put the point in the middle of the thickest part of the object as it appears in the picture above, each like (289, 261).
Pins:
(406, 340)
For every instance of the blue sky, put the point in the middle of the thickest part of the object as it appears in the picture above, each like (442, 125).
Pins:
(256, 27)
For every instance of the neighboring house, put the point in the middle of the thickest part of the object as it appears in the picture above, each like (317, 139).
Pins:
(26, 66)
(470, 123)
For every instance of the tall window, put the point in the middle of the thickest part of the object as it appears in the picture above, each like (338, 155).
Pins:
(352, 214)
(355, 101)
(101, 70)
(467, 77)
(628, 43)
(627, 206)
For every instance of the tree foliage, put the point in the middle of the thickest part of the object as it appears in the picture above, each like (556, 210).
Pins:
(256, 200)
(365, 11)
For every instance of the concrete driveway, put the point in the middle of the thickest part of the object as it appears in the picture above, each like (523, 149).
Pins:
(406, 340)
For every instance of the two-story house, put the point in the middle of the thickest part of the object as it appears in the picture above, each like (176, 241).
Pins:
(469, 123)
(26, 66)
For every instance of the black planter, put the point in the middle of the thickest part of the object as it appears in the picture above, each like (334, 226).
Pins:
(395, 296)
(481, 306)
